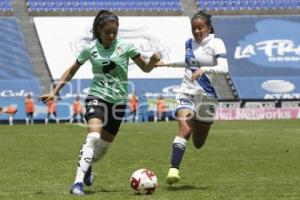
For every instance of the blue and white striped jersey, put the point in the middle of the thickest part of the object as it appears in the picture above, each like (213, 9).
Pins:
(210, 55)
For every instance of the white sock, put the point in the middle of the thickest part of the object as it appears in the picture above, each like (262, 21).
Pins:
(10, 119)
(180, 140)
(100, 149)
(27, 121)
(46, 121)
(86, 155)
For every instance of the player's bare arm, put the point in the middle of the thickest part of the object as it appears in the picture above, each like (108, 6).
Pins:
(67, 76)
(147, 66)
(176, 64)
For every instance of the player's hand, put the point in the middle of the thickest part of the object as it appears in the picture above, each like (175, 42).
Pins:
(198, 73)
(155, 58)
(46, 97)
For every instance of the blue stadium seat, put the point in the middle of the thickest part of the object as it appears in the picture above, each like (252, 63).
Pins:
(91, 5)
(237, 5)
(5, 6)
(14, 60)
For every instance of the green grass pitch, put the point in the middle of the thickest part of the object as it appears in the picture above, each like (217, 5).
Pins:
(240, 160)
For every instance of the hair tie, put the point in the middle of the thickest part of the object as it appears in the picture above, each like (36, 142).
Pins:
(106, 17)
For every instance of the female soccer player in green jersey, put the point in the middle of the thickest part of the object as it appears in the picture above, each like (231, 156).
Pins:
(106, 102)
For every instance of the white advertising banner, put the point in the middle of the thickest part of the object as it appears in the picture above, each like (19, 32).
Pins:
(63, 37)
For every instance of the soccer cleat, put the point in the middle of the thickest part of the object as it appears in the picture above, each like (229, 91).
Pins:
(88, 177)
(77, 189)
(173, 176)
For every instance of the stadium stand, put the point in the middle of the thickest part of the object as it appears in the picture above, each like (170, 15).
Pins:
(61, 7)
(250, 6)
(14, 60)
(6, 8)
(16, 76)
(32, 43)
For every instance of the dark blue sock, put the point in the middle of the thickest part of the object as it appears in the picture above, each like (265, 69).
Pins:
(177, 154)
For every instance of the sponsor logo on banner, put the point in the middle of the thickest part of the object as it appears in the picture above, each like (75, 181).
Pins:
(173, 89)
(81, 93)
(270, 48)
(11, 93)
(257, 114)
(278, 86)
(279, 89)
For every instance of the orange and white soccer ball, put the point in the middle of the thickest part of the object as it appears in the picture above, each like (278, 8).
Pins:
(143, 181)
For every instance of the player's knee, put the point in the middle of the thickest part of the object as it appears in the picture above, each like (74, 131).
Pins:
(92, 139)
(184, 130)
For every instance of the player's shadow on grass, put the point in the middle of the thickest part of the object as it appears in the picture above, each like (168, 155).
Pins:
(186, 187)
(102, 190)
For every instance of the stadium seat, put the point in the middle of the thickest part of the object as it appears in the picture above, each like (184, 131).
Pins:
(114, 5)
(252, 5)
(5, 7)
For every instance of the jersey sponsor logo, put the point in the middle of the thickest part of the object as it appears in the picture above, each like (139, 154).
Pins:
(119, 51)
(208, 50)
(94, 54)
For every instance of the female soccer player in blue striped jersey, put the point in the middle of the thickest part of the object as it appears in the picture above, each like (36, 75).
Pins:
(106, 102)
(205, 62)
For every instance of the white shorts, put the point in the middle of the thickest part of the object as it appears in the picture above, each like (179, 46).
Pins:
(203, 106)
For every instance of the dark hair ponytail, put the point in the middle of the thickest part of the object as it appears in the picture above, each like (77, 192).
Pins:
(206, 17)
(101, 19)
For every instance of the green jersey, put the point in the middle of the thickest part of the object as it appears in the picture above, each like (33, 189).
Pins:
(110, 68)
